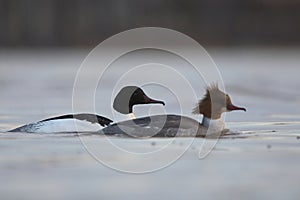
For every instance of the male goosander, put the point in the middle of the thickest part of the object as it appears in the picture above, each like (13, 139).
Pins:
(213, 104)
(123, 103)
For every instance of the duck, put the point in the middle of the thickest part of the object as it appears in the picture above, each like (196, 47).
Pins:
(125, 100)
(211, 106)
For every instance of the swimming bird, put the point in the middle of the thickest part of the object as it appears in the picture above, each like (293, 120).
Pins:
(211, 106)
(124, 102)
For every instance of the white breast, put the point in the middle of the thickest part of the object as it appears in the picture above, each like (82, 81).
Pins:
(61, 125)
(213, 125)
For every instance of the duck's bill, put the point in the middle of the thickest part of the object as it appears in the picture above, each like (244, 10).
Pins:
(232, 107)
(148, 100)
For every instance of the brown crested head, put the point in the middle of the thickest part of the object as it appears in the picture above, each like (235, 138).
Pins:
(214, 103)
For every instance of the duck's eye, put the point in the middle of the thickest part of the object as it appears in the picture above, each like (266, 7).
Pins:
(227, 97)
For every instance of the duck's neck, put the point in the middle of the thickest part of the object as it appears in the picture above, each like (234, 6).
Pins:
(215, 125)
(131, 116)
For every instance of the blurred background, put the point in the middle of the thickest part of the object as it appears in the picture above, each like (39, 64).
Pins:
(69, 23)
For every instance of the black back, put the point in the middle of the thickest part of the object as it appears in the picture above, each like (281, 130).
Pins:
(103, 121)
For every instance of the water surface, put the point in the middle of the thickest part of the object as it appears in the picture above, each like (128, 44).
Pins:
(260, 162)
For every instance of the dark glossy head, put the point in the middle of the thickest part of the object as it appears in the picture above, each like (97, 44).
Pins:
(214, 103)
(130, 96)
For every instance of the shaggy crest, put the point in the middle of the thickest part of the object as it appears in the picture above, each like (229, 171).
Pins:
(219, 99)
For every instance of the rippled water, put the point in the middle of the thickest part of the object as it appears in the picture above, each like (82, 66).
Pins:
(260, 162)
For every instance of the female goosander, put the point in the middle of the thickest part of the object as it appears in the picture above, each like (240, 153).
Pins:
(123, 103)
(213, 104)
